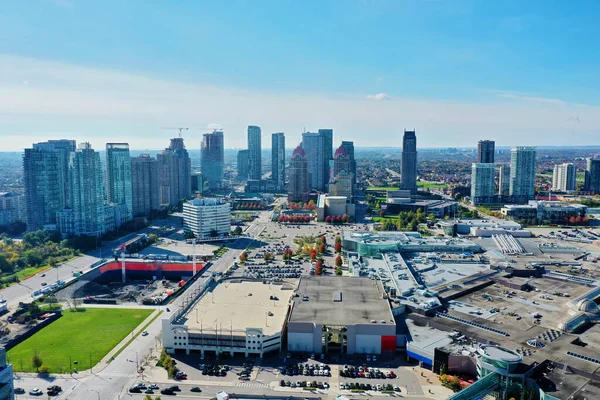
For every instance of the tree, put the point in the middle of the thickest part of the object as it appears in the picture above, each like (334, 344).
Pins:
(338, 247)
(244, 256)
(5, 266)
(322, 249)
(328, 219)
(345, 218)
(280, 219)
(237, 230)
(189, 235)
(338, 271)
(338, 239)
(214, 233)
(313, 254)
(36, 361)
(338, 261)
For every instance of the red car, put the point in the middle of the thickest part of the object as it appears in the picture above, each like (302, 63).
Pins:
(181, 375)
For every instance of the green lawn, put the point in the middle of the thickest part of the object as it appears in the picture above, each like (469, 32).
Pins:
(84, 334)
(430, 185)
(30, 271)
(381, 188)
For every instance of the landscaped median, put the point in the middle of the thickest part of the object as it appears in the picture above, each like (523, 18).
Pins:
(77, 340)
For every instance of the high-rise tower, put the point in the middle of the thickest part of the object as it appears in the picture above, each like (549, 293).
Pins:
(45, 175)
(485, 151)
(349, 146)
(314, 145)
(278, 160)
(409, 162)
(564, 177)
(212, 159)
(242, 164)
(299, 185)
(175, 170)
(522, 174)
(118, 177)
(592, 175)
(144, 184)
(84, 213)
(254, 153)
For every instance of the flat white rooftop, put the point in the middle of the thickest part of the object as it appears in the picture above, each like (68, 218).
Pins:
(235, 305)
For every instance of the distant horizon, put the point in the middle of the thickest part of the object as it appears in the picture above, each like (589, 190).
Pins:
(290, 149)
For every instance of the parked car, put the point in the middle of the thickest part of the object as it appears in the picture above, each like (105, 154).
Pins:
(167, 391)
(134, 389)
(195, 389)
(153, 386)
(36, 392)
(19, 390)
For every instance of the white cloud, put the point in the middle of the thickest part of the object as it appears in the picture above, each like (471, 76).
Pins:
(379, 97)
(101, 105)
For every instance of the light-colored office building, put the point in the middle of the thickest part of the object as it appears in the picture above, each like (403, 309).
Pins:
(503, 179)
(522, 174)
(207, 217)
(482, 183)
(564, 177)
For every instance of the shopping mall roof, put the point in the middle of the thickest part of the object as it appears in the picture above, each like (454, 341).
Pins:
(336, 300)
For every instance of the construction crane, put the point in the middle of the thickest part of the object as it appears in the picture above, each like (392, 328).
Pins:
(179, 129)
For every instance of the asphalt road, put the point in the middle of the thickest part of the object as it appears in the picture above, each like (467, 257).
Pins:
(114, 381)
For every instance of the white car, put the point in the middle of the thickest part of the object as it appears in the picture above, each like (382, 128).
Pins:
(145, 333)
(36, 392)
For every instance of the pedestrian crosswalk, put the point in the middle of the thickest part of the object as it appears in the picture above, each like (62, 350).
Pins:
(251, 384)
(117, 375)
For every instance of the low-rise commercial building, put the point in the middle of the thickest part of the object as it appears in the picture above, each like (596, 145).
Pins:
(237, 317)
(207, 217)
(553, 211)
(400, 200)
(343, 315)
(373, 243)
(334, 206)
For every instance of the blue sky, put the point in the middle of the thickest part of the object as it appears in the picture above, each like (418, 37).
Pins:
(457, 71)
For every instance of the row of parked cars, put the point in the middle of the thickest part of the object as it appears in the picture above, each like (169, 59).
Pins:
(303, 384)
(214, 370)
(306, 370)
(365, 372)
(169, 390)
(368, 386)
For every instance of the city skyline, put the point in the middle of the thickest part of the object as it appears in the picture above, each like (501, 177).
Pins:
(443, 75)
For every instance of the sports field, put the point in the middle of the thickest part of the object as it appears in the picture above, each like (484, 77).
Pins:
(77, 338)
